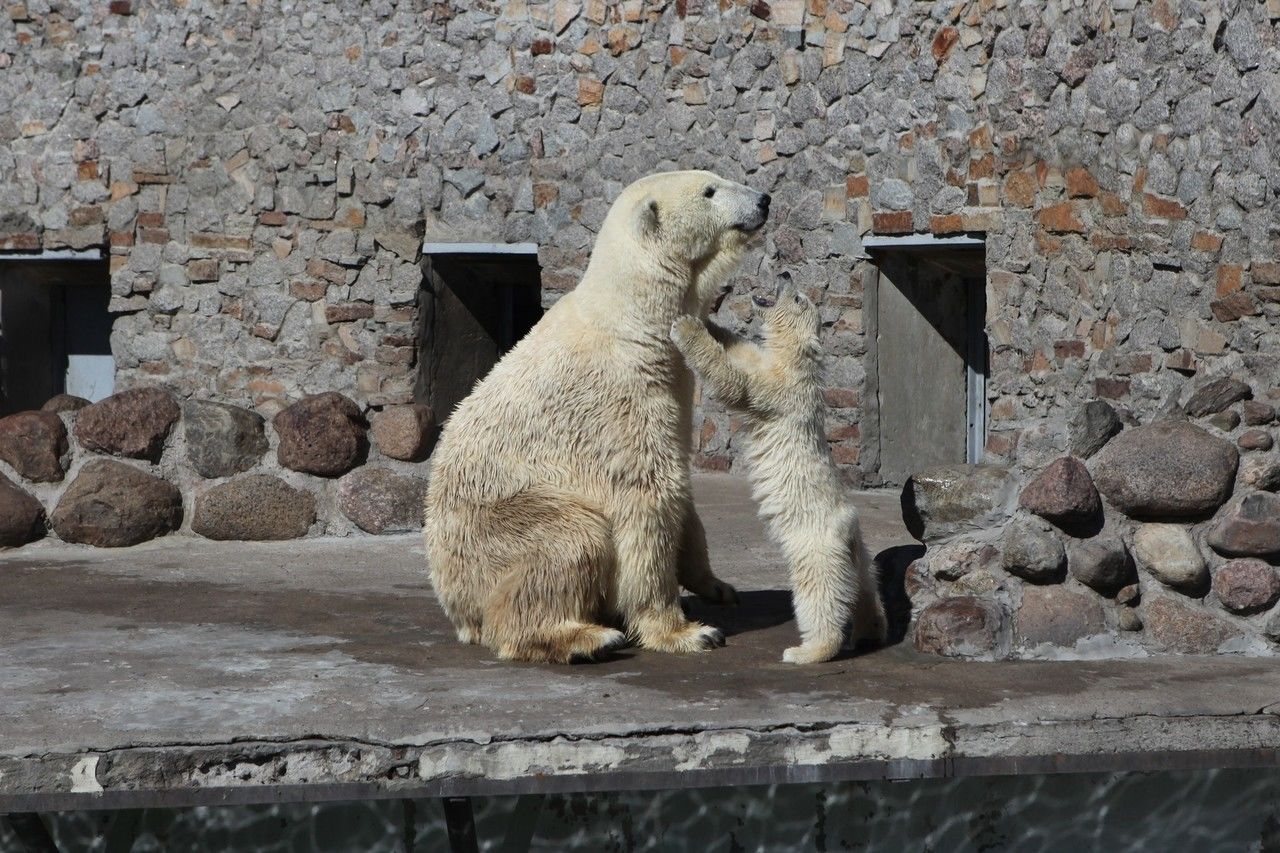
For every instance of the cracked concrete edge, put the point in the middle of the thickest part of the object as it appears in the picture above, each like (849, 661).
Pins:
(318, 769)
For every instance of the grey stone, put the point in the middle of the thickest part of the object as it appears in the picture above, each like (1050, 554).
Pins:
(1246, 586)
(1257, 413)
(1180, 627)
(1224, 421)
(1033, 552)
(1092, 427)
(894, 194)
(1255, 439)
(21, 515)
(1214, 396)
(111, 504)
(1242, 41)
(378, 500)
(1063, 493)
(1166, 469)
(222, 439)
(1261, 472)
(1057, 616)
(943, 500)
(1101, 563)
(1248, 527)
(254, 507)
(1169, 554)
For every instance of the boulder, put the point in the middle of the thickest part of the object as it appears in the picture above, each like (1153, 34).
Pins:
(222, 439)
(1063, 493)
(1101, 563)
(1215, 396)
(64, 403)
(111, 504)
(947, 499)
(958, 627)
(378, 500)
(21, 515)
(1168, 553)
(1257, 413)
(1032, 551)
(1247, 586)
(1057, 616)
(1248, 527)
(1092, 427)
(1224, 421)
(133, 423)
(1183, 628)
(405, 432)
(1166, 469)
(1255, 439)
(950, 561)
(323, 434)
(34, 443)
(1261, 472)
(255, 507)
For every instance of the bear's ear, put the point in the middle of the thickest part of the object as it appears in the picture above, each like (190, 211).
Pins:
(648, 217)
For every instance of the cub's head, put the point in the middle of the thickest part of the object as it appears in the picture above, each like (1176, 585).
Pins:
(791, 322)
(695, 222)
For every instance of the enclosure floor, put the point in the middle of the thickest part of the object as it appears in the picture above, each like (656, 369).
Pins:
(189, 671)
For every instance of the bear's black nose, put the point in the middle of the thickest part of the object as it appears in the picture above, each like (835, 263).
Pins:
(763, 203)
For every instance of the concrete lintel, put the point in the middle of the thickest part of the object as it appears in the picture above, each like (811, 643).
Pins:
(923, 241)
(479, 248)
(54, 255)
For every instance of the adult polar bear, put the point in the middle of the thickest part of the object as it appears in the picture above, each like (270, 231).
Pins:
(559, 496)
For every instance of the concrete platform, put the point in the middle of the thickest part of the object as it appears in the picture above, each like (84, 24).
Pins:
(192, 672)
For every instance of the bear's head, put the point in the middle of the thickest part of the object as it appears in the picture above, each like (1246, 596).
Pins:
(691, 226)
(792, 322)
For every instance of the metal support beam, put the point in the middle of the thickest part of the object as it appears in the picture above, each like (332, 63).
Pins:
(461, 823)
(31, 832)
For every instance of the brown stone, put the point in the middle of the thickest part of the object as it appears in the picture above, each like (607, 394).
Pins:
(1246, 586)
(1229, 279)
(133, 423)
(1257, 413)
(857, 186)
(957, 627)
(1233, 307)
(1060, 218)
(34, 443)
(1216, 395)
(405, 432)
(1162, 208)
(255, 507)
(110, 504)
(1203, 241)
(378, 500)
(1265, 272)
(1063, 493)
(1081, 184)
(21, 515)
(1020, 189)
(345, 312)
(1255, 439)
(1248, 527)
(943, 42)
(323, 434)
(1057, 616)
(897, 222)
(1182, 628)
(64, 403)
(1167, 468)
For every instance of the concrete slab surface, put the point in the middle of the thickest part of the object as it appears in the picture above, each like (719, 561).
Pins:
(187, 671)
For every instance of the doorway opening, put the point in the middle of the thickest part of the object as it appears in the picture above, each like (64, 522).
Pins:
(55, 330)
(479, 300)
(927, 350)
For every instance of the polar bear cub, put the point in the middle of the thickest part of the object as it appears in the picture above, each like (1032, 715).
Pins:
(800, 492)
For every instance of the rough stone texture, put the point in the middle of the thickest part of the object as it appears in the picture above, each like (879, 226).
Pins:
(1058, 616)
(1255, 439)
(1033, 552)
(1257, 413)
(1215, 396)
(941, 501)
(1183, 628)
(1261, 472)
(1168, 553)
(21, 515)
(1063, 493)
(1166, 469)
(1224, 421)
(1246, 586)
(380, 501)
(133, 423)
(953, 560)
(1248, 527)
(322, 434)
(34, 443)
(1101, 563)
(111, 504)
(958, 627)
(64, 403)
(255, 507)
(1092, 427)
(222, 439)
(405, 432)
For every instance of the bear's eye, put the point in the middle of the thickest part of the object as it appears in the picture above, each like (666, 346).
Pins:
(708, 192)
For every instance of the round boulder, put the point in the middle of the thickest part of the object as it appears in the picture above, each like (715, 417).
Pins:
(1247, 586)
(1248, 527)
(133, 423)
(323, 434)
(1255, 439)
(940, 501)
(958, 627)
(21, 516)
(64, 403)
(255, 507)
(1101, 563)
(1033, 552)
(111, 504)
(405, 432)
(1168, 553)
(1257, 413)
(378, 500)
(34, 443)
(1063, 493)
(222, 439)
(1166, 469)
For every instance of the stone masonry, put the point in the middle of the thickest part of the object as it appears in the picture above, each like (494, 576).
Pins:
(263, 176)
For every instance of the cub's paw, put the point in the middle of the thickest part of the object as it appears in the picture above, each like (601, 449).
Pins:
(601, 645)
(718, 592)
(685, 328)
(809, 653)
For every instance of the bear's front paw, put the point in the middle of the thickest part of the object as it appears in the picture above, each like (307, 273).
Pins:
(685, 328)
(719, 592)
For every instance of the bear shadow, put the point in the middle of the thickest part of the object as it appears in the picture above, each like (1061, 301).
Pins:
(756, 610)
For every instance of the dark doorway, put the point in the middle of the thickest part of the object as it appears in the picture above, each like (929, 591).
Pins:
(929, 358)
(477, 305)
(55, 331)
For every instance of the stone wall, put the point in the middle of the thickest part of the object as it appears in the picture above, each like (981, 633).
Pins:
(263, 175)
(138, 465)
